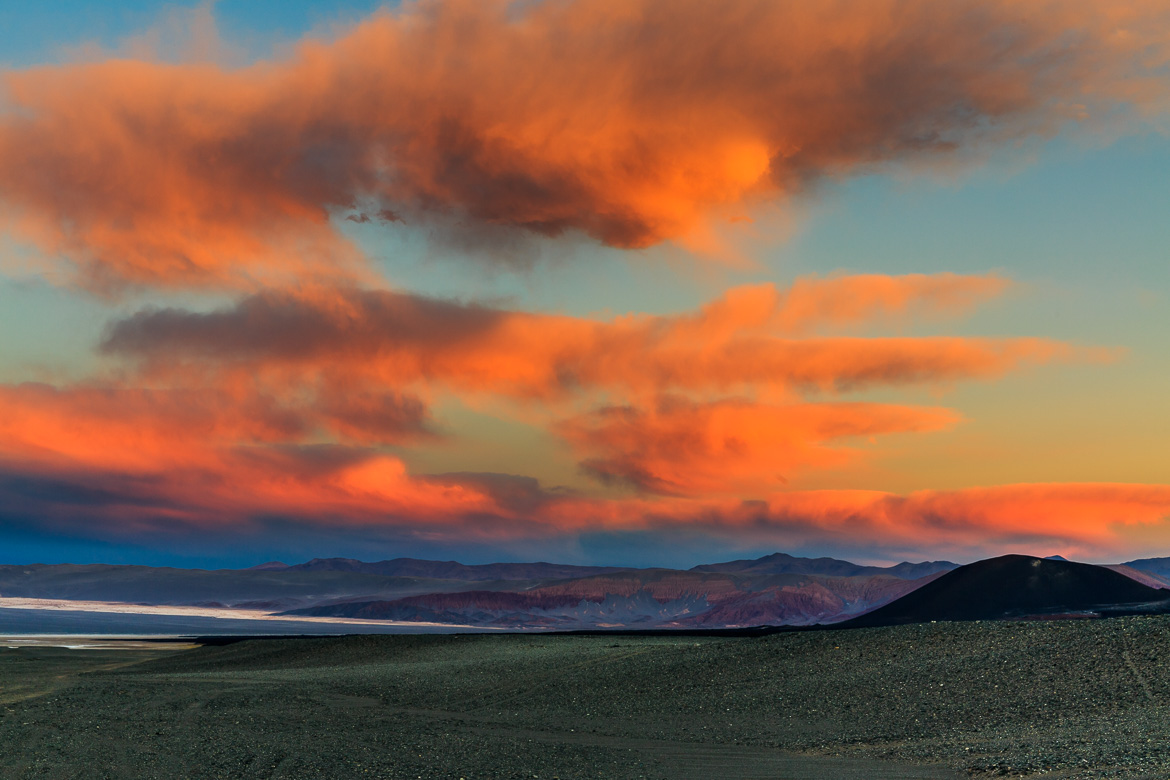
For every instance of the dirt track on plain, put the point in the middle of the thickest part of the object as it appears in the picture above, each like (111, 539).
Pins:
(1057, 699)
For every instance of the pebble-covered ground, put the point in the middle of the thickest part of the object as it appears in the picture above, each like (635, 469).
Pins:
(1066, 699)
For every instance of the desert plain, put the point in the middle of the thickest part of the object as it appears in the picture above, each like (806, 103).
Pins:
(1057, 698)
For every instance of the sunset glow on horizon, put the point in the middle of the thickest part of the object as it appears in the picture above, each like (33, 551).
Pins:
(594, 281)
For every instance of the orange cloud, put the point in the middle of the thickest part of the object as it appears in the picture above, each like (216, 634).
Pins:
(742, 342)
(351, 368)
(632, 121)
(213, 458)
(679, 447)
(262, 489)
(281, 408)
(1076, 519)
(679, 434)
(147, 430)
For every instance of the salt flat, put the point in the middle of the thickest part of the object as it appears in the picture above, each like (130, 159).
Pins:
(220, 613)
(78, 642)
(66, 618)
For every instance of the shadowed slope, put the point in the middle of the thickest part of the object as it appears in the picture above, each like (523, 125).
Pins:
(1146, 578)
(1012, 586)
(1159, 567)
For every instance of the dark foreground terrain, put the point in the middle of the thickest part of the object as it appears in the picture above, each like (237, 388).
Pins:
(1071, 698)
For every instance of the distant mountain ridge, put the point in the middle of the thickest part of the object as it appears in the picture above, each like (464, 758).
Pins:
(450, 570)
(776, 563)
(776, 589)
(782, 563)
(644, 598)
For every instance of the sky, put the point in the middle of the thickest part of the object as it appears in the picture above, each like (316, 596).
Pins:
(636, 282)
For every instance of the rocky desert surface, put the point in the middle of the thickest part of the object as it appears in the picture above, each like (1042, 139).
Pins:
(1057, 698)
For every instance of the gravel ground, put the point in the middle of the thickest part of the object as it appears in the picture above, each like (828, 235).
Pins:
(1070, 699)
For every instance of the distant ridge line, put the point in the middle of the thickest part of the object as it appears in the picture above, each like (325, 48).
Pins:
(741, 595)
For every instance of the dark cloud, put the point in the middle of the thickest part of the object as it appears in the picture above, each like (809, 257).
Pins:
(286, 325)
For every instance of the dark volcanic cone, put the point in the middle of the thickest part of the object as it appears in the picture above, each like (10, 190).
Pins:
(1013, 586)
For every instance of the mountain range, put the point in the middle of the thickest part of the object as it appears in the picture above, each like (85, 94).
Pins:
(777, 589)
